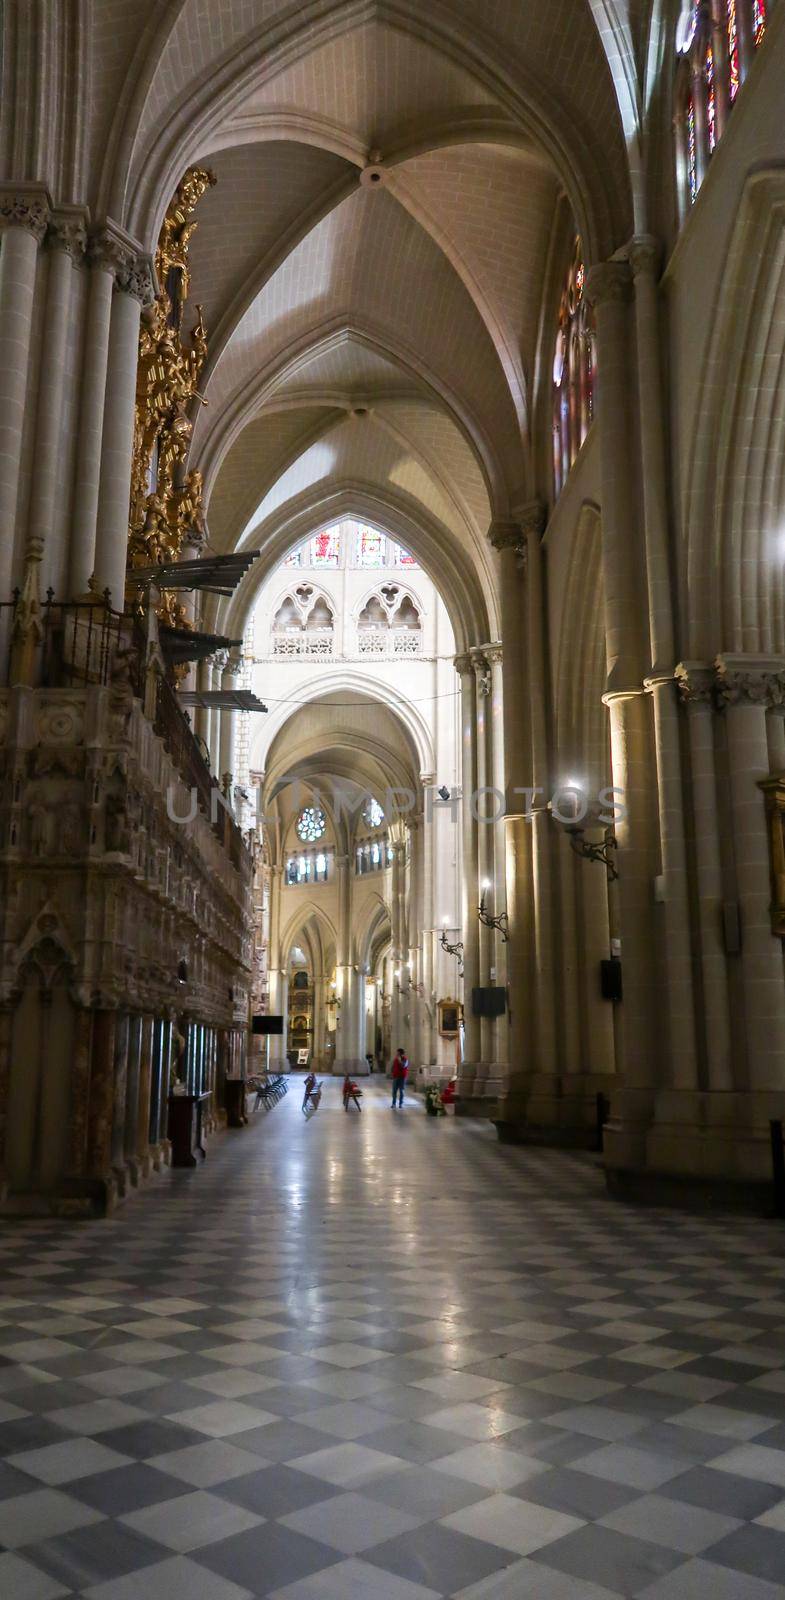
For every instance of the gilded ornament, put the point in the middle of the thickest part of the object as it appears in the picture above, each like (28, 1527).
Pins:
(166, 510)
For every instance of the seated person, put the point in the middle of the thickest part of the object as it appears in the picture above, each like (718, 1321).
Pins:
(448, 1094)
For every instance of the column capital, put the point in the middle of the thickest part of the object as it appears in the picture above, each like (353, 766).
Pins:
(68, 232)
(608, 282)
(645, 255)
(25, 206)
(114, 251)
(136, 279)
(494, 653)
(696, 682)
(219, 659)
(532, 518)
(464, 664)
(482, 669)
(508, 535)
(754, 680)
(427, 779)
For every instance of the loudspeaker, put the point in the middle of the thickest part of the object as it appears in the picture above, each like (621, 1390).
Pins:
(265, 1024)
(610, 979)
(490, 1001)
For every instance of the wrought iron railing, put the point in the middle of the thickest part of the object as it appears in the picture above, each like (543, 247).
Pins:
(72, 641)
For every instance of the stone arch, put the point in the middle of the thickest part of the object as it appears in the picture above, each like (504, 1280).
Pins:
(735, 486)
(468, 589)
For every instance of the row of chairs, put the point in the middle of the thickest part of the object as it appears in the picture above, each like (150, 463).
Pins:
(268, 1090)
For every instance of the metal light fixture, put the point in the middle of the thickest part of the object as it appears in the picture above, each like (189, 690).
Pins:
(595, 851)
(500, 923)
(455, 949)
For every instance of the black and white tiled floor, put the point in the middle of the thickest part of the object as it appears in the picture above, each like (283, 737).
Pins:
(379, 1357)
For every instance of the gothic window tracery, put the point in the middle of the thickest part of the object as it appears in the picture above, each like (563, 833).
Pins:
(573, 371)
(389, 624)
(716, 42)
(304, 624)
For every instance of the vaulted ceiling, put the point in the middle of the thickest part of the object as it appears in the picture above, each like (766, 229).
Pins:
(375, 258)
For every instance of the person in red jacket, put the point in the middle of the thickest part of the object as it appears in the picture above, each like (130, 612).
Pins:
(400, 1072)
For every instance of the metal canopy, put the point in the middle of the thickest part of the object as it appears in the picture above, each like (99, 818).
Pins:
(181, 644)
(211, 574)
(221, 699)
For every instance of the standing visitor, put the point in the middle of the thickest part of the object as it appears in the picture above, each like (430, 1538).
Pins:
(400, 1072)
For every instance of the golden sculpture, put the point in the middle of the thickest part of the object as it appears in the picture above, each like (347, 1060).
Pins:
(166, 501)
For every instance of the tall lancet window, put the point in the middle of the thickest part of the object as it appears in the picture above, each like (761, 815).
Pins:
(573, 371)
(716, 42)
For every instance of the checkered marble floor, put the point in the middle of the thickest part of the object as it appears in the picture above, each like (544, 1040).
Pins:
(380, 1357)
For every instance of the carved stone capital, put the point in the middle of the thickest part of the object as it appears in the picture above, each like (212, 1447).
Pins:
(136, 278)
(482, 670)
(608, 282)
(464, 665)
(645, 255)
(533, 518)
(108, 252)
(508, 536)
(696, 682)
(751, 680)
(26, 207)
(68, 232)
(494, 654)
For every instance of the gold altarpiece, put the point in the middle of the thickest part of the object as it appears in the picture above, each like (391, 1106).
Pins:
(166, 511)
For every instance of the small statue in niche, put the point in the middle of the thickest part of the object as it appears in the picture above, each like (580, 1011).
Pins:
(38, 821)
(117, 834)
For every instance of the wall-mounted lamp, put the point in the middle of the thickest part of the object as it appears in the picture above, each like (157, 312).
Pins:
(455, 949)
(500, 923)
(576, 826)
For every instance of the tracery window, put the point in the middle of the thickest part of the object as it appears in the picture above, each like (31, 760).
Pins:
(308, 867)
(373, 813)
(716, 42)
(389, 624)
(303, 625)
(311, 824)
(573, 371)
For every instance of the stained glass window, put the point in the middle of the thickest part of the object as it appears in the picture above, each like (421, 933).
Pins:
(733, 50)
(325, 549)
(402, 558)
(573, 370)
(711, 98)
(311, 824)
(758, 20)
(692, 149)
(373, 814)
(371, 548)
(295, 559)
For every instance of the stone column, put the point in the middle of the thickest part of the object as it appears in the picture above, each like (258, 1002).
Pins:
(99, 1141)
(105, 256)
(275, 973)
(544, 1092)
(697, 684)
(644, 259)
(428, 920)
(470, 885)
(66, 244)
(24, 214)
(218, 665)
(6, 1025)
(145, 1089)
(228, 762)
(484, 809)
(134, 289)
(397, 917)
(509, 539)
(79, 1107)
(347, 1044)
(747, 686)
(120, 1069)
(494, 656)
(626, 630)
(132, 1098)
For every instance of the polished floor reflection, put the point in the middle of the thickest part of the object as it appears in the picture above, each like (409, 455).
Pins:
(377, 1357)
